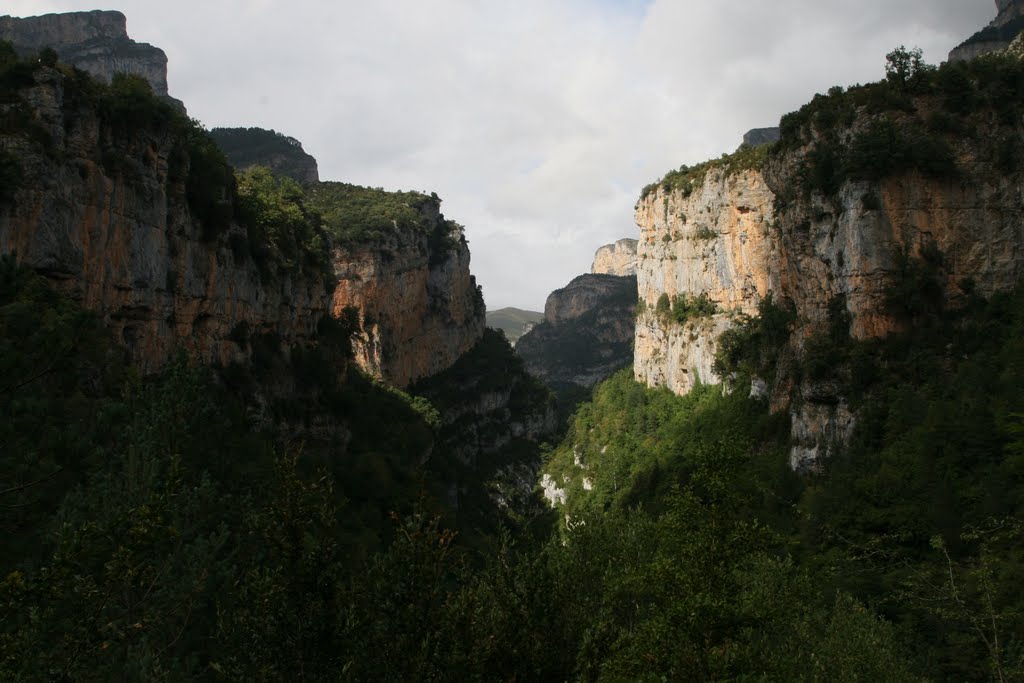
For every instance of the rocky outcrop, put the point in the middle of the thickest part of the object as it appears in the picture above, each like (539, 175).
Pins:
(580, 297)
(617, 259)
(587, 333)
(96, 42)
(248, 147)
(996, 36)
(419, 307)
(103, 212)
(736, 236)
(761, 136)
(714, 241)
(494, 417)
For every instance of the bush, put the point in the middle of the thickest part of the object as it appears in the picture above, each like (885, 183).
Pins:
(210, 184)
(129, 103)
(686, 306)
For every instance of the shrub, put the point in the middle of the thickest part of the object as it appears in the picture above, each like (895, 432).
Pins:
(685, 306)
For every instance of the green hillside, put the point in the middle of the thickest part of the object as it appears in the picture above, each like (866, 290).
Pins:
(514, 322)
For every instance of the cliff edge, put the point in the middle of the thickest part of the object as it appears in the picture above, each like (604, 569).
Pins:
(96, 42)
(878, 207)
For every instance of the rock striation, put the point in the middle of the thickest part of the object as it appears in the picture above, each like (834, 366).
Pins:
(998, 35)
(714, 241)
(96, 42)
(617, 259)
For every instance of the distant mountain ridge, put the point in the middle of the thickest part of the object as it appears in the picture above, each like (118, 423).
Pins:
(513, 322)
(284, 155)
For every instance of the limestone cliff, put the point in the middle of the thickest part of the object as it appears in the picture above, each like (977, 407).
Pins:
(617, 259)
(103, 210)
(96, 42)
(586, 335)
(714, 240)
(137, 217)
(419, 307)
(834, 222)
(996, 36)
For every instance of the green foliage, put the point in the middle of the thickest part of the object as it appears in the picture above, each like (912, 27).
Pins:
(751, 347)
(247, 147)
(912, 118)
(8, 56)
(477, 441)
(908, 512)
(906, 68)
(273, 209)
(687, 306)
(210, 180)
(48, 57)
(686, 179)
(362, 214)
(129, 103)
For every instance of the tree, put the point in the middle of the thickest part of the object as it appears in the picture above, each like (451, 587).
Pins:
(903, 66)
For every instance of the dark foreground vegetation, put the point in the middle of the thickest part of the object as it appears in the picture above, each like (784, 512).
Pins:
(150, 534)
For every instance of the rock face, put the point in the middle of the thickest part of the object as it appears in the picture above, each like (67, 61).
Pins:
(587, 332)
(996, 36)
(736, 237)
(247, 147)
(493, 418)
(580, 297)
(714, 241)
(419, 307)
(761, 136)
(104, 214)
(103, 210)
(617, 259)
(96, 42)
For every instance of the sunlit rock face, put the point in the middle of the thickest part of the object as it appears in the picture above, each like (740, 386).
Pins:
(617, 259)
(419, 307)
(715, 241)
(731, 240)
(96, 42)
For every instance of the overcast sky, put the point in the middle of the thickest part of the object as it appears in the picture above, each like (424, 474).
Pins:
(537, 121)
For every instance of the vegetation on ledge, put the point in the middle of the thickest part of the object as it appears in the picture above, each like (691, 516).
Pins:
(686, 179)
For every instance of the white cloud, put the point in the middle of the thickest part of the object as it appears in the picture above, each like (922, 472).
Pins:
(537, 122)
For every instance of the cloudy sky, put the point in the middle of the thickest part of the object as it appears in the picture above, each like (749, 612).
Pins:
(537, 121)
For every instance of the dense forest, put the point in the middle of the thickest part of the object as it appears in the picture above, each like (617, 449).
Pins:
(152, 530)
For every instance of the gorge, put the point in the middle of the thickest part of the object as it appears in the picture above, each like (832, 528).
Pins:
(255, 426)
